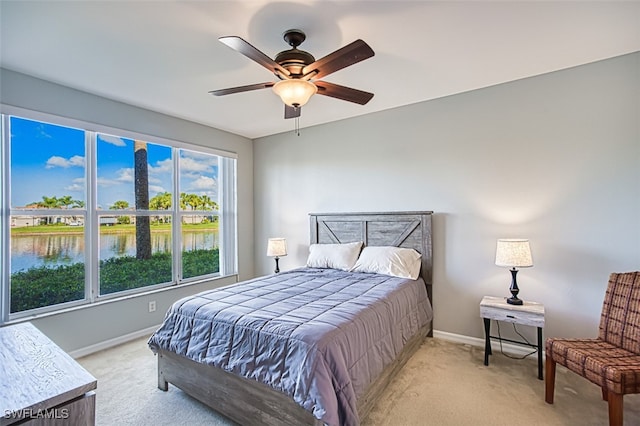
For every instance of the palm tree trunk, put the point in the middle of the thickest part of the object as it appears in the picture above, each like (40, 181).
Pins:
(141, 173)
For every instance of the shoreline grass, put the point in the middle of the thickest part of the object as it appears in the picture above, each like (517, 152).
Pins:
(104, 230)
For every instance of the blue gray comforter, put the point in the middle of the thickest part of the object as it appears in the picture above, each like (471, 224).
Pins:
(318, 335)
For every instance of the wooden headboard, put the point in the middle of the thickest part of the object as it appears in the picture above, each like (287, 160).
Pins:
(398, 229)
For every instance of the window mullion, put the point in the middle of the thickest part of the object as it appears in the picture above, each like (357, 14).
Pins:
(227, 230)
(91, 232)
(176, 219)
(5, 228)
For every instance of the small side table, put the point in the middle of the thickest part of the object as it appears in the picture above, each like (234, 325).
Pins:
(529, 313)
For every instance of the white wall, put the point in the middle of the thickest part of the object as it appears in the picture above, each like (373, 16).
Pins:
(92, 325)
(554, 158)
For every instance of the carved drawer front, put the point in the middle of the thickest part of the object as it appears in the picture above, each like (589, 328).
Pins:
(41, 384)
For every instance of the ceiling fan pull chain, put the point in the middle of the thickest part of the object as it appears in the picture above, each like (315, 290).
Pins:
(297, 125)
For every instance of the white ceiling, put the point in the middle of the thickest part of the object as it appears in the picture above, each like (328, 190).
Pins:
(164, 55)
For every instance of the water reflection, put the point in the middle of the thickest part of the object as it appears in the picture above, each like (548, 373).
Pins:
(29, 251)
(45, 250)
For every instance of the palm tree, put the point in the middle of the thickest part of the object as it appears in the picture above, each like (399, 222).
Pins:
(193, 201)
(141, 174)
(73, 204)
(46, 203)
(50, 202)
(65, 201)
(208, 203)
(183, 200)
(162, 201)
(121, 205)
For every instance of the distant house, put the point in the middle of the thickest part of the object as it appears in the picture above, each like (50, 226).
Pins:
(108, 220)
(22, 221)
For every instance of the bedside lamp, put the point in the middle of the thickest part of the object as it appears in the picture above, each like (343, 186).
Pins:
(277, 247)
(513, 253)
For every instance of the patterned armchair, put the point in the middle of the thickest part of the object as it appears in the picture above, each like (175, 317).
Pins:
(612, 361)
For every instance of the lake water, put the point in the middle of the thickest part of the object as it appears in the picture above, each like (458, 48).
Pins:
(29, 251)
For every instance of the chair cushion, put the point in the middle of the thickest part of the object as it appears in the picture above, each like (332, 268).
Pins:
(608, 366)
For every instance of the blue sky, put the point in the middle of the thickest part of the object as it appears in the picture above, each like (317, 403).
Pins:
(49, 160)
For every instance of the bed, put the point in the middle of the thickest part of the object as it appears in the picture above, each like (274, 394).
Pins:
(227, 374)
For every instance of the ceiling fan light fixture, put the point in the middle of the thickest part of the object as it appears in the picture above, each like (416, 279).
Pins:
(295, 92)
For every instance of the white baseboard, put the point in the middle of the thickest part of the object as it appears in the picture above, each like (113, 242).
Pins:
(475, 341)
(78, 353)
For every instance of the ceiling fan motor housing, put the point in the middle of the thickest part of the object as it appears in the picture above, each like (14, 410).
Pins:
(294, 60)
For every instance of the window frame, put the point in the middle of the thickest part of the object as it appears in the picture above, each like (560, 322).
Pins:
(227, 214)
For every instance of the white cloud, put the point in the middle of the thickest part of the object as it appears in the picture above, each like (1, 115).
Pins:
(204, 185)
(77, 161)
(204, 182)
(107, 182)
(77, 185)
(113, 140)
(125, 175)
(191, 165)
(163, 166)
(56, 161)
(200, 156)
(74, 187)
(41, 132)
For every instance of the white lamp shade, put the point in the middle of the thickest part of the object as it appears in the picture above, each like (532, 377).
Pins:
(277, 247)
(295, 92)
(513, 253)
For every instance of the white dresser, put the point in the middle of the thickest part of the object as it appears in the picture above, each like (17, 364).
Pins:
(40, 384)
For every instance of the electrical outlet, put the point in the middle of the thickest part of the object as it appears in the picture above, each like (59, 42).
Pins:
(152, 306)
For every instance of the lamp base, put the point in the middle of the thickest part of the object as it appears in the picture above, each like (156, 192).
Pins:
(277, 270)
(514, 301)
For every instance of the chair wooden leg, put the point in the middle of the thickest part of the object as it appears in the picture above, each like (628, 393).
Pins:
(550, 379)
(615, 408)
(604, 394)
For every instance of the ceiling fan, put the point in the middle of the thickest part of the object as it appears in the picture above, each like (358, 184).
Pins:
(299, 73)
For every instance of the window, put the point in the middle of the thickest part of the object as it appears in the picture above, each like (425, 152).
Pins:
(94, 215)
(135, 246)
(47, 194)
(198, 204)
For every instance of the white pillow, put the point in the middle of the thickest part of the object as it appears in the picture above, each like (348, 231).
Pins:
(394, 261)
(335, 256)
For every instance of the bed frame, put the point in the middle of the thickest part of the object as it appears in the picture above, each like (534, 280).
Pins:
(249, 402)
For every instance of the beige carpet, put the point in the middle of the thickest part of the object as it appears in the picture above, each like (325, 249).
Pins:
(442, 384)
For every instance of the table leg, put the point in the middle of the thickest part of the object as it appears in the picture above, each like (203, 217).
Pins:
(487, 340)
(540, 353)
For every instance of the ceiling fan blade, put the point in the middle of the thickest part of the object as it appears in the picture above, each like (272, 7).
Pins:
(342, 92)
(341, 58)
(291, 112)
(239, 89)
(244, 47)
